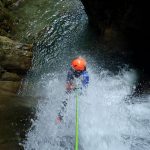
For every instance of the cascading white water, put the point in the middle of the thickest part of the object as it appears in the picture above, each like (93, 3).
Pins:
(106, 121)
(110, 118)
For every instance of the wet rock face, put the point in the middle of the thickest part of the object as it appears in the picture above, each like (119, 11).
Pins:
(7, 20)
(129, 17)
(8, 76)
(9, 87)
(15, 116)
(15, 57)
(15, 61)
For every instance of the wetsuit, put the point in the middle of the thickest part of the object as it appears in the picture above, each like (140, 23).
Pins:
(82, 76)
(71, 78)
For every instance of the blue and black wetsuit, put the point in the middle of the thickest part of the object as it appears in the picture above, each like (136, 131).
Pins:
(82, 75)
(71, 77)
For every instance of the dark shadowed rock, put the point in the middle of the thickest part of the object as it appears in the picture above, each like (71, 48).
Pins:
(128, 17)
(15, 116)
(15, 56)
(15, 60)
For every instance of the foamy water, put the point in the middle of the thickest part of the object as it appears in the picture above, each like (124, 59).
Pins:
(108, 118)
(106, 121)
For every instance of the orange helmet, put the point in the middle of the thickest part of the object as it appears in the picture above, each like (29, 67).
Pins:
(78, 64)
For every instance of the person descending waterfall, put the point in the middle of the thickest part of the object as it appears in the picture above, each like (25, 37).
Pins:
(77, 75)
(77, 78)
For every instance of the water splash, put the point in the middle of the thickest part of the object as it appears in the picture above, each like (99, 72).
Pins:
(108, 118)
(106, 121)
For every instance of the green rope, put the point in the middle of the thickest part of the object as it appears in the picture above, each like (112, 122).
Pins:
(77, 124)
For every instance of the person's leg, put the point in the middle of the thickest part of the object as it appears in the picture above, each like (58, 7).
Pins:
(63, 107)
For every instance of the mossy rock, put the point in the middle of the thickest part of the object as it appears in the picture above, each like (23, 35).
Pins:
(6, 22)
(8, 3)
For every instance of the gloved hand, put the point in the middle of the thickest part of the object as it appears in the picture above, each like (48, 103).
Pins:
(58, 119)
(70, 87)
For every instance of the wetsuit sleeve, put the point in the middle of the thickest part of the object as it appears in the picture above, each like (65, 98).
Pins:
(85, 80)
(69, 76)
